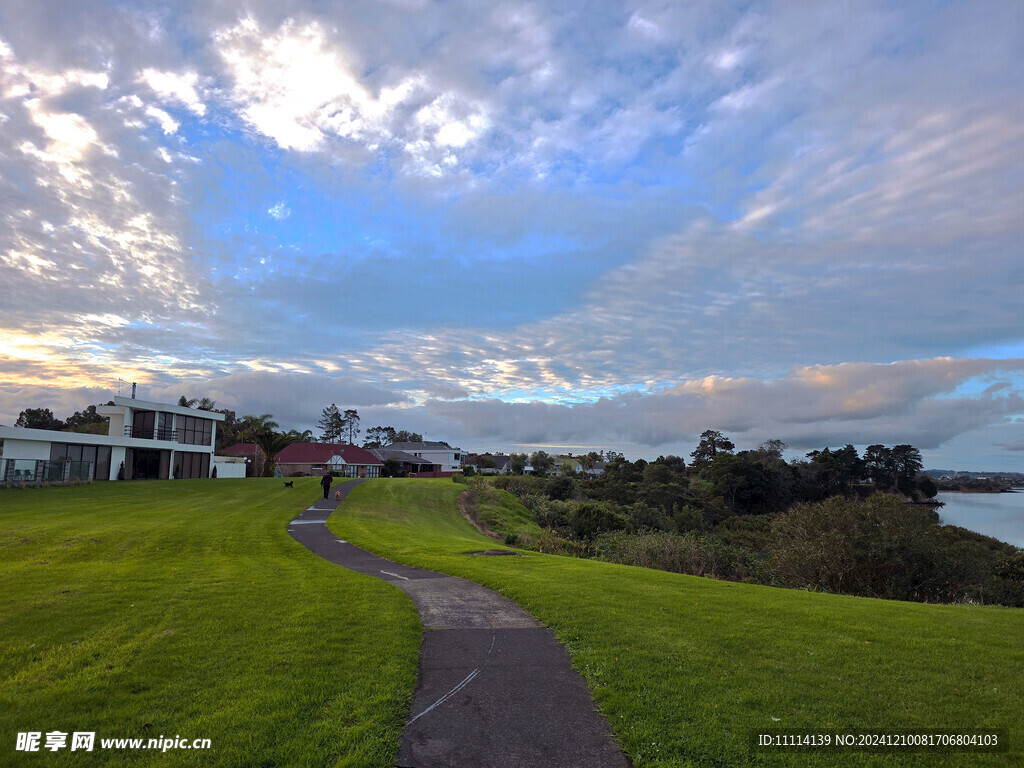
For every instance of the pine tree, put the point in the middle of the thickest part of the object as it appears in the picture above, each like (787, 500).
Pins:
(331, 424)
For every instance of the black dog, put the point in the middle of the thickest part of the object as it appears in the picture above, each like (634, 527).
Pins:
(290, 484)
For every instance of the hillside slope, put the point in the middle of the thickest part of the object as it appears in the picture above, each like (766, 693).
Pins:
(689, 670)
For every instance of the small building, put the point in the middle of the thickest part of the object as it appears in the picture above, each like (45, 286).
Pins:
(566, 465)
(492, 463)
(448, 460)
(145, 440)
(316, 458)
(411, 466)
(250, 454)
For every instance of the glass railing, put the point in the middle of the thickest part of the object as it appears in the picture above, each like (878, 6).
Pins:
(152, 434)
(34, 471)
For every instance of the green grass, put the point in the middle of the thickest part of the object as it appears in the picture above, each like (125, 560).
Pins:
(166, 608)
(501, 512)
(686, 669)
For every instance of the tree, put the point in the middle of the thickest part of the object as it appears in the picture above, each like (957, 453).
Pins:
(711, 443)
(542, 462)
(87, 421)
(38, 418)
(906, 463)
(272, 443)
(518, 462)
(878, 464)
(227, 430)
(772, 450)
(252, 429)
(404, 436)
(351, 421)
(332, 425)
(851, 462)
(306, 436)
(204, 404)
(927, 487)
(378, 437)
(749, 486)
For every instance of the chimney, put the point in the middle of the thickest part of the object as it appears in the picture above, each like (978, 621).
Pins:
(134, 385)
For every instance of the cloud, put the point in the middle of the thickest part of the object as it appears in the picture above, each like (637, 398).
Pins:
(811, 407)
(174, 87)
(280, 211)
(664, 210)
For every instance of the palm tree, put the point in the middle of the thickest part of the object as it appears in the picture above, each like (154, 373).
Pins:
(251, 427)
(272, 443)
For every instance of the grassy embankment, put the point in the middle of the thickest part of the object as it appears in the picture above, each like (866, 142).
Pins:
(185, 608)
(686, 669)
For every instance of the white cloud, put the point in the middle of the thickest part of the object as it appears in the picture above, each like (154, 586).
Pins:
(294, 86)
(167, 123)
(179, 87)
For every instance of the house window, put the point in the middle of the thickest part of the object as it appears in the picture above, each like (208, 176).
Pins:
(143, 424)
(97, 455)
(192, 465)
(194, 431)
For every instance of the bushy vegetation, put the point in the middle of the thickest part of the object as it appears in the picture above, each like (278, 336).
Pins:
(836, 522)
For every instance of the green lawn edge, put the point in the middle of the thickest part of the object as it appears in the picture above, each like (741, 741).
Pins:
(167, 608)
(688, 670)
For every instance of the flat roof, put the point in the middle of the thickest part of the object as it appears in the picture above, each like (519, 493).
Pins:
(181, 410)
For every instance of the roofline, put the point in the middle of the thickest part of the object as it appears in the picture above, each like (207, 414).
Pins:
(181, 410)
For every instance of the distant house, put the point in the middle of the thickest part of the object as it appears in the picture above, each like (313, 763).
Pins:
(317, 458)
(597, 470)
(447, 459)
(483, 463)
(566, 465)
(411, 466)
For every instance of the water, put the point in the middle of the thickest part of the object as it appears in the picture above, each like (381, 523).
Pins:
(1000, 515)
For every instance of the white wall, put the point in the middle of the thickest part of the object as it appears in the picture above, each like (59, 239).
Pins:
(228, 469)
(27, 449)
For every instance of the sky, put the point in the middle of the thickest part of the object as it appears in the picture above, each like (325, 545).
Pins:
(525, 225)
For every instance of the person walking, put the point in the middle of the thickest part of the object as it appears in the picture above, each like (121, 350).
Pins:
(326, 481)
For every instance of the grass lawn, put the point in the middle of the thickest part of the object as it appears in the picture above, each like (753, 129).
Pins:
(687, 669)
(185, 608)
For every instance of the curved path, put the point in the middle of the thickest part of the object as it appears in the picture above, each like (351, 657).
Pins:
(496, 688)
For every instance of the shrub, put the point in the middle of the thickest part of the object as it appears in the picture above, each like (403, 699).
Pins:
(590, 518)
(884, 547)
(696, 554)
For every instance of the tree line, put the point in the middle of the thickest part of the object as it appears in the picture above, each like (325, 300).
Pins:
(833, 520)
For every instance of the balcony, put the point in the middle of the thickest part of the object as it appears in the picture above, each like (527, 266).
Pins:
(170, 435)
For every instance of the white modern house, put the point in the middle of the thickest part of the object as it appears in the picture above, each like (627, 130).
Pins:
(447, 459)
(144, 440)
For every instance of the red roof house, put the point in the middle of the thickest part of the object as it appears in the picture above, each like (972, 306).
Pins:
(317, 458)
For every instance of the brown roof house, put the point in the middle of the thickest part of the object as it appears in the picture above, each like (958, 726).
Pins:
(317, 458)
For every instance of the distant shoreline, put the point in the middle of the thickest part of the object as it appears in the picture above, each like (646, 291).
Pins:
(981, 490)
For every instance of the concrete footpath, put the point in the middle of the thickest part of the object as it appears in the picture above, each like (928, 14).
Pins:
(496, 689)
